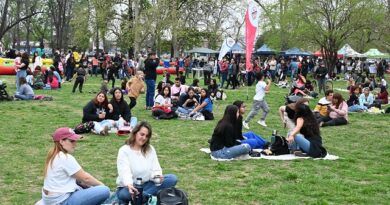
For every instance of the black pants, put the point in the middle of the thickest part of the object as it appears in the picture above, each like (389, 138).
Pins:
(333, 121)
(207, 115)
(207, 77)
(79, 82)
(111, 77)
(163, 115)
(133, 102)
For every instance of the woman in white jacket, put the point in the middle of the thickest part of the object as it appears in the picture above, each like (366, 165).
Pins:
(138, 159)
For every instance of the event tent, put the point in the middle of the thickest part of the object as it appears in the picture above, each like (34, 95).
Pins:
(202, 50)
(347, 51)
(319, 54)
(375, 53)
(237, 48)
(265, 50)
(295, 52)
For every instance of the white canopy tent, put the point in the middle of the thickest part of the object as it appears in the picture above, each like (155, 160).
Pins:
(347, 51)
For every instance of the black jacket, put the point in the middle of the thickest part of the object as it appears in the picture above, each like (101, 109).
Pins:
(150, 68)
(120, 109)
(224, 136)
(91, 112)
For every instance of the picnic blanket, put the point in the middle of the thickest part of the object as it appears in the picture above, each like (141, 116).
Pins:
(279, 157)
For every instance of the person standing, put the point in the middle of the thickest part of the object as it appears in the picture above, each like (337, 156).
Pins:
(258, 101)
(79, 79)
(134, 87)
(321, 77)
(21, 69)
(151, 64)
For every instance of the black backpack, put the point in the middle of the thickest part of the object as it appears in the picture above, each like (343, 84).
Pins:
(279, 145)
(84, 127)
(172, 196)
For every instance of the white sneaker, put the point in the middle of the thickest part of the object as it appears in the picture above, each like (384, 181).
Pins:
(245, 125)
(262, 123)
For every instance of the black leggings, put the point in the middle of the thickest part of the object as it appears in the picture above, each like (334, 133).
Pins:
(333, 121)
(79, 80)
(133, 102)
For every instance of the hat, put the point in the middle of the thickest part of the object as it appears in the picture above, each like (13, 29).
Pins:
(65, 133)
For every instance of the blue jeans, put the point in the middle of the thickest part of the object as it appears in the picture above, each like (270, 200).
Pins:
(355, 108)
(20, 73)
(185, 110)
(94, 70)
(253, 140)
(300, 142)
(149, 188)
(99, 126)
(231, 152)
(150, 87)
(24, 97)
(224, 78)
(93, 196)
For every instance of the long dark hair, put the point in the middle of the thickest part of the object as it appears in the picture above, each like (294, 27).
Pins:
(339, 98)
(105, 102)
(229, 118)
(162, 91)
(131, 140)
(205, 97)
(310, 122)
(113, 100)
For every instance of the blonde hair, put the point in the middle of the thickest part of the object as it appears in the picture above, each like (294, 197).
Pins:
(51, 154)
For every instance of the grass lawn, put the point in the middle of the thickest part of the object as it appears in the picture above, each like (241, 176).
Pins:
(360, 176)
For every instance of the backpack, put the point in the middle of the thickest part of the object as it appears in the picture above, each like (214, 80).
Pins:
(279, 145)
(84, 127)
(172, 196)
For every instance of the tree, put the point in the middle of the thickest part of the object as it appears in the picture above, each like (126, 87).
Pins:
(61, 12)
(6, 23)
(80, 25)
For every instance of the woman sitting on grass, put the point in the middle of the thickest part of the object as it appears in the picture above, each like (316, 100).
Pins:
(366, 99)
(98, 110)
(353, 101)
(205, 105)
(64, 176)
(162, 108)
(25, 91)
(251, 138)
(306, 135)
(120, 110)
(138, 159)
(223, 143)
(188, 101)
(287, 113)
(338, 112)
(213, 88)
(383, 96)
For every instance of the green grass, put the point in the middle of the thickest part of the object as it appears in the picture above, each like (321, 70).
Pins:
(360, 176)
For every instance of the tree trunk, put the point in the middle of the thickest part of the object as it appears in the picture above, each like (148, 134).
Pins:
(28, 25)
(17, 26)
(135, 21)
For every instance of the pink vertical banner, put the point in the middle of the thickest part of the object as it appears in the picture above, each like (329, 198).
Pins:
(251, 23)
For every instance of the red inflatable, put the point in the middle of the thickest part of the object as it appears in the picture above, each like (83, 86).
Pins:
(10, 70)
(170, 70)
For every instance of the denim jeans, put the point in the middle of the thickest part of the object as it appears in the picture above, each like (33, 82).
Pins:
(255, 109)
(20, 73)
(223, 78)
(94, 70)
(321, 85)
(24, 97)
(99, 126)
(91, 196)
(185, 110)
(231, 152)
(150, 87)
(355, 108)
(300, 142)
(149, 188)
(254, 140)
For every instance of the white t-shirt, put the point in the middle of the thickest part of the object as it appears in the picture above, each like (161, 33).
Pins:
(59, 174)
(132, 164)
(384, 82)
(272, 64)
(260, 91)
(163, 101)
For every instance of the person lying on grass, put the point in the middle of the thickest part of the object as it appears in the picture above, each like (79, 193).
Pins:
(65, 180)
(306, 137)
(223, 143)
(138, 159)
(98, 110)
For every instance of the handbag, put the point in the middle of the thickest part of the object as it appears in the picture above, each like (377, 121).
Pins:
(279, 145)
(124, 131)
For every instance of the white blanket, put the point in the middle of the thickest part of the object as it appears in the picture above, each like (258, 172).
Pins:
(279, 157)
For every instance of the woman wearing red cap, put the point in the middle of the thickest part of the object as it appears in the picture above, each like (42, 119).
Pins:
(61, 172)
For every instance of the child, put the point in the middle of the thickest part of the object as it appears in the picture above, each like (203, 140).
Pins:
(79, 79)
(134, 87)
(258, 101)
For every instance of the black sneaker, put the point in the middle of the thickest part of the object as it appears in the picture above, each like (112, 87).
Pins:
(300, 154)
(254, 154)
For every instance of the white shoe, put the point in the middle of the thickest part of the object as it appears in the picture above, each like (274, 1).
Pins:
(245, 125)
(262, 123)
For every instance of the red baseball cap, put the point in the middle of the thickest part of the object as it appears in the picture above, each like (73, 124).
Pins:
(65, 133)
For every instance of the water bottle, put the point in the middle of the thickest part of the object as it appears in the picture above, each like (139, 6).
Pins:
(274, 134)
(138, 198)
